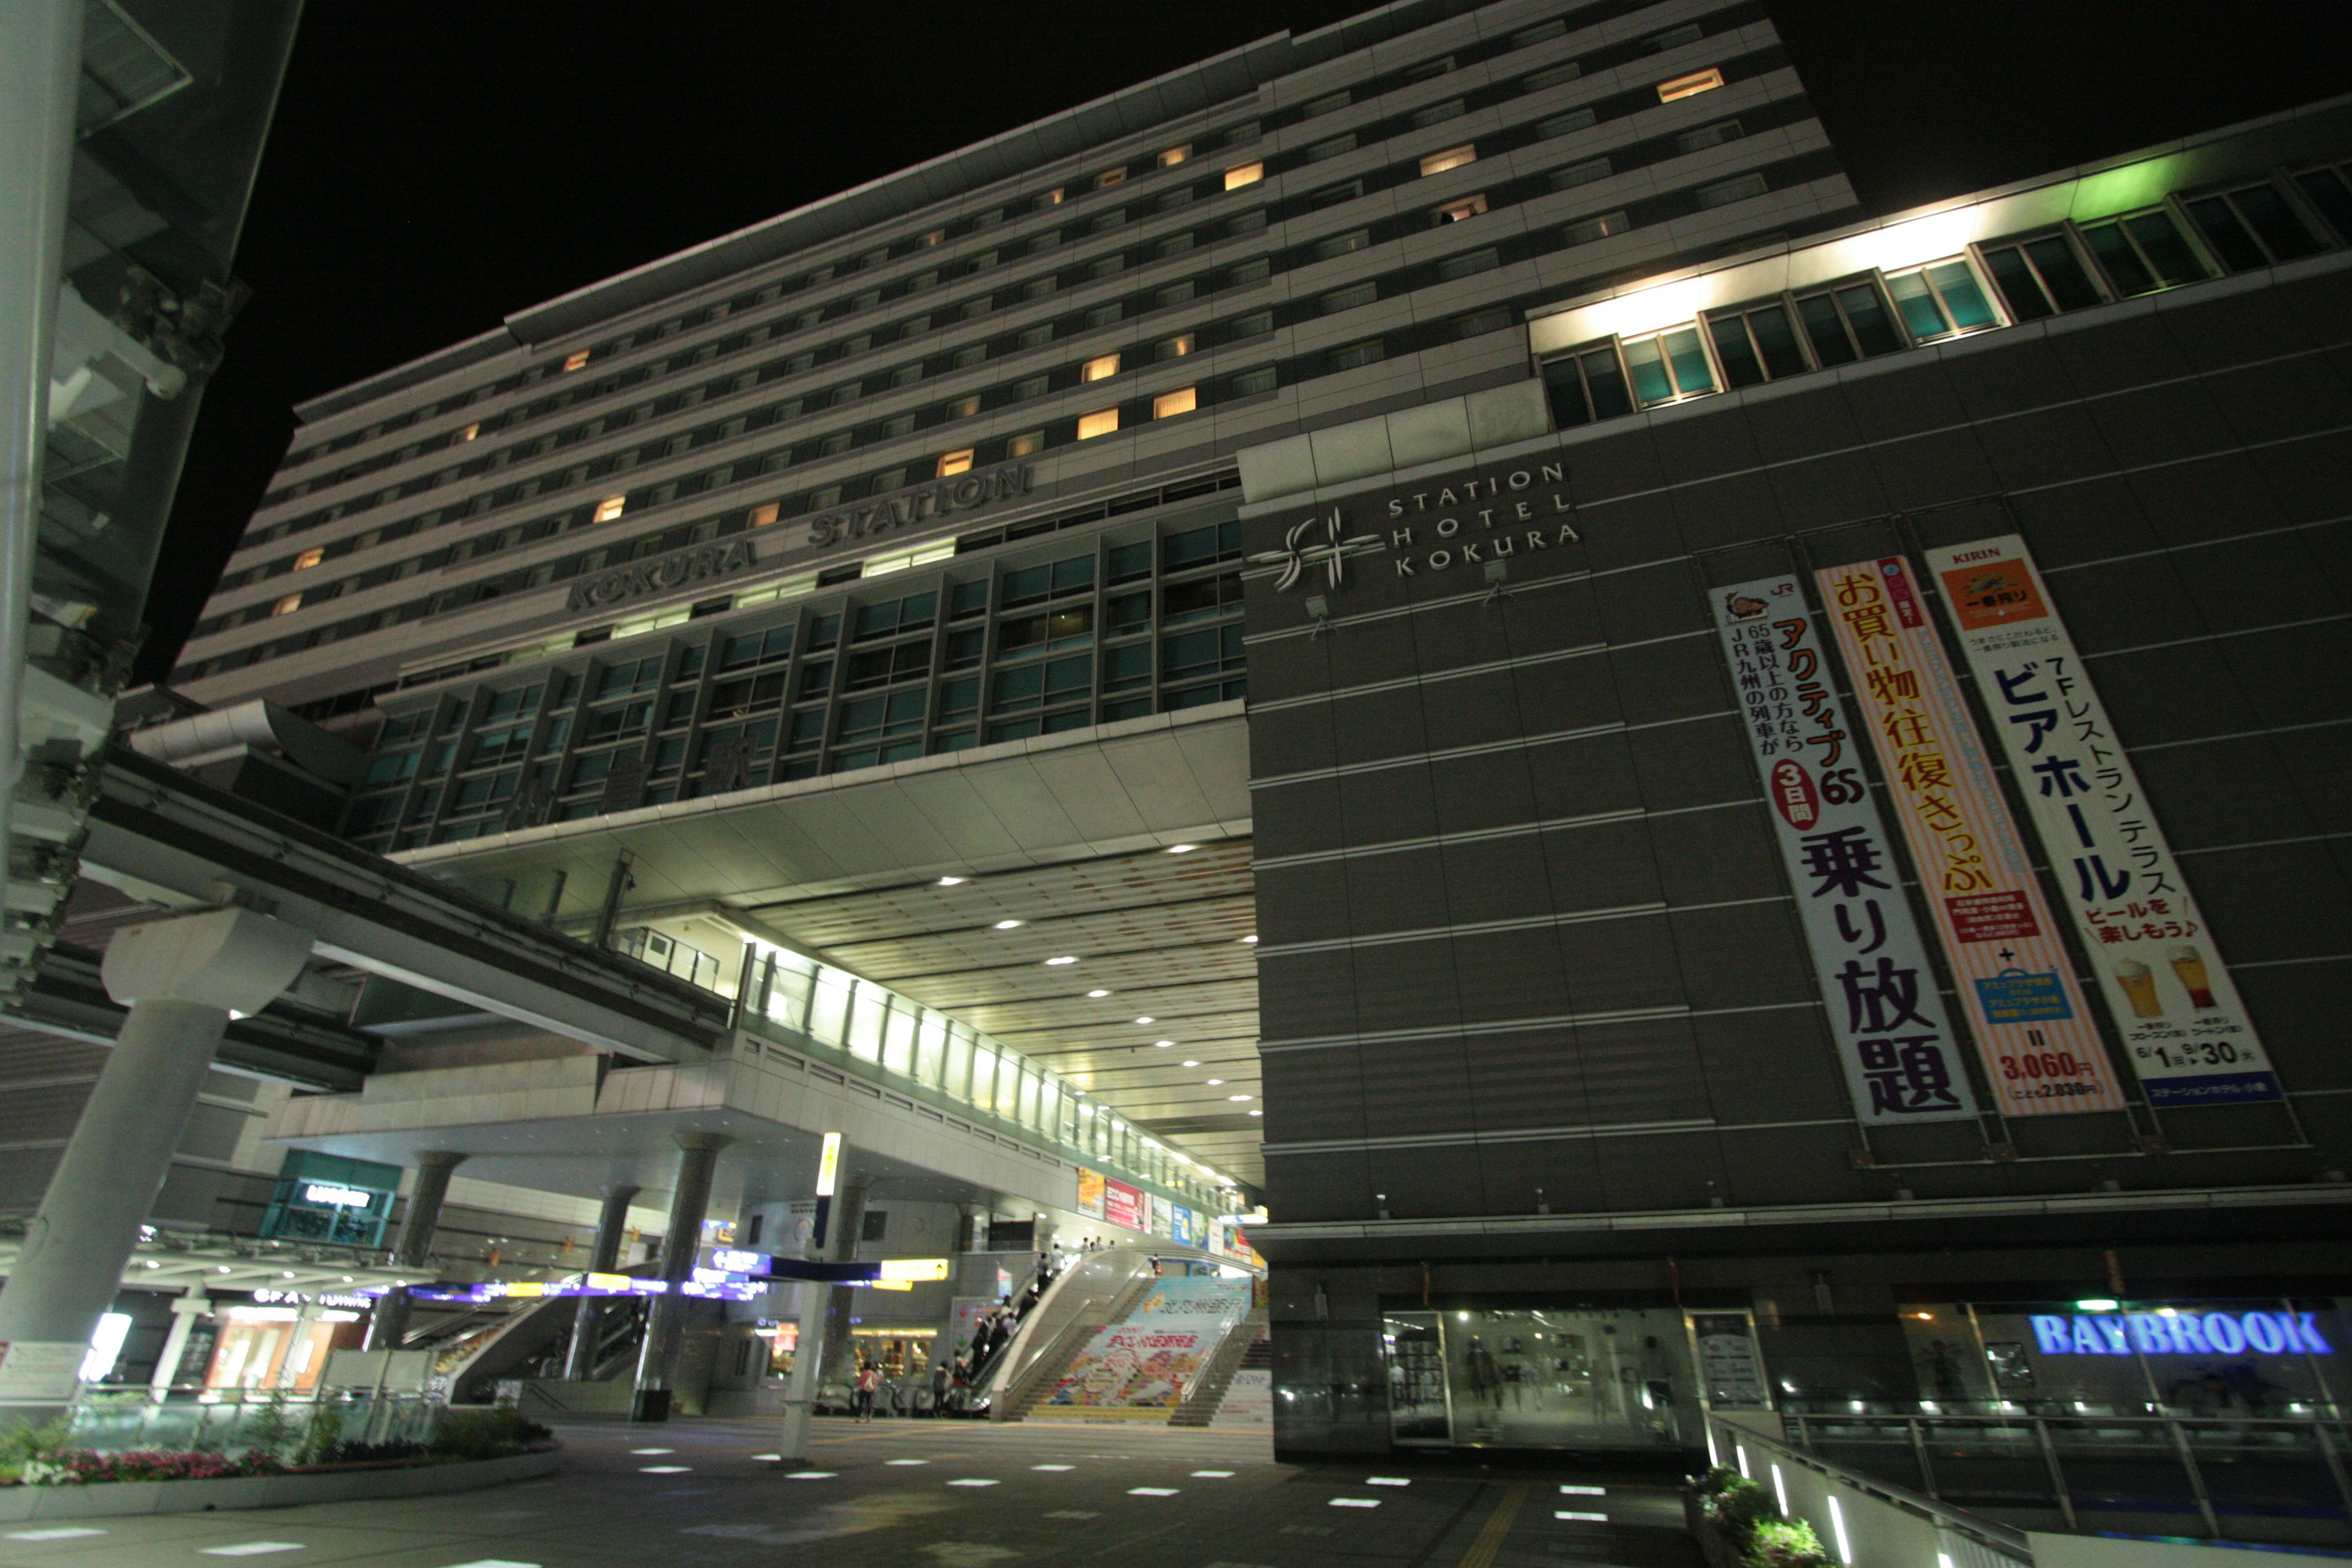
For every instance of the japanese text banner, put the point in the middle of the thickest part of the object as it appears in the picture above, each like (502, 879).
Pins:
(2173, 1001)
(1885, 1011)
(2032, 1023)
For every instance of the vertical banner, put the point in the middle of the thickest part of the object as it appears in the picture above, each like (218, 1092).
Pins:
(1090, 1193)
(1884, 1010)
(2173, 1001)
(2032, 1025)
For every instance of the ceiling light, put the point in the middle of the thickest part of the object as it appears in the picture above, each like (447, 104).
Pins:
(1066, 958)
(1192, 1064)
(1250, 939)
(1161, 1045)
(1257, 1113)
(1097, 991)
(951, 881)
(1215, 1082)
(1006, 925)
(1181, 849)
(1236, 1099)
(1143, 1020)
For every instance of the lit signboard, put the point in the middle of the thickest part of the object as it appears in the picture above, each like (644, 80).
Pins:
(828, 1165)
(2171, 1331)
(329, 1196)
(912, 1270)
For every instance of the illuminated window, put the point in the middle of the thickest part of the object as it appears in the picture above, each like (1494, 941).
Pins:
(935, 236)
(468, 433)
(1025, 443)
(1175, 156)
(610, 507)
(309, 558)
(764, 514)
(955, 462)
(293, 602)
(1242, 174)
(1668, 366)
(1690, 86)
(1176, 347)
(1099, 368)
(1108, 178)
(576, 361)
(1101, 422)
(1940, 299)
(1468, 207)
(963, 407)
(1586, 230)
(1052, 198)
(1452, 158)
(1183, 400)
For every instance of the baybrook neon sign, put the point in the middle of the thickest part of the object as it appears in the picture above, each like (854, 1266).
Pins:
(2171, 1333)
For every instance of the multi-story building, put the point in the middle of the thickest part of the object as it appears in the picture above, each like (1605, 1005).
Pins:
(1238, 591)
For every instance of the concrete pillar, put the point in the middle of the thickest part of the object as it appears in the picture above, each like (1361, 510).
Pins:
(840, 1303)
(290, 1366)
(185, 1310)
(812, 1307)
(612, 1224)
(690, 1201)
(388, 1324)
(181, 979)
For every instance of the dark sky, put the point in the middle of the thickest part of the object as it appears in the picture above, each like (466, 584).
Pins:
(431, 171)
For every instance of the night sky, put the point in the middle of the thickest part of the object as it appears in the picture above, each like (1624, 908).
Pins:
(433, 169)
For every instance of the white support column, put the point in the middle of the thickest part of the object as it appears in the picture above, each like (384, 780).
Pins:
(185, 1310)
(181, 979)
(698, 1158)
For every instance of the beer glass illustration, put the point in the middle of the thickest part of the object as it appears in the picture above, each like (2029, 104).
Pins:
(2189, 965)
(2139, 988)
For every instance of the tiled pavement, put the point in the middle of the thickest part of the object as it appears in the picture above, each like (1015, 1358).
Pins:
(928, 1494)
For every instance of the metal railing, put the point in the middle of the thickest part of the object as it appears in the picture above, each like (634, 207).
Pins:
(1859, 1516)
(2241, 1477)
(233, 1421)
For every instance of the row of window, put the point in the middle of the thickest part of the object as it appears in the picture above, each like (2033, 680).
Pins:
(1446, 269)
(2068, 266)
(971, 661)
(1232, 178)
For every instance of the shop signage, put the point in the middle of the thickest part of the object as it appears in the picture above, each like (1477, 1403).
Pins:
(329, 1196)
(2032, 1025)
(1463, 522)
(2171, 1331)
(1123, 1205)
(320, 1298)
(962, 493)
(661, 574)
(1886, 1013)
(1090, 1193)
(2172, 998)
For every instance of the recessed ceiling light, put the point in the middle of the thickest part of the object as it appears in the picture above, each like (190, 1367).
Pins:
(1181, 849)
(1161, 1045)
(1236, 1099)
(1066, 958)
(1257, 1113)
(1215, 1082)
(1097, 991)
(1250, 939)
(1143, 1020)
(1006, 925)
(1192, 1064)
(951, 881)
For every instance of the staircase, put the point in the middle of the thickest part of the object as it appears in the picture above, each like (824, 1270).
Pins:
(1245, 1345)
(1038, 1379)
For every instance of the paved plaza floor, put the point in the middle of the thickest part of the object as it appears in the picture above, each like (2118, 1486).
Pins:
(933, 1494)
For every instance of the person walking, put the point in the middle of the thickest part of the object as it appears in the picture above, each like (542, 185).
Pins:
(869, 1379)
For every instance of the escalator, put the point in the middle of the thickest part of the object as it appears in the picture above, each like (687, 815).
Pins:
(1113, 1341)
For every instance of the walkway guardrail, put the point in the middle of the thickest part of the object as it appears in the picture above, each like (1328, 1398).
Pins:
(232, 1421)
(1861, 1518)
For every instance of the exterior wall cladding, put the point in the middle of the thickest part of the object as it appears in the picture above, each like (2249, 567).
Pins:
(1535, 999)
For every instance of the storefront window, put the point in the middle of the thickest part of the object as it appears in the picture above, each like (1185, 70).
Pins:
(1539, 1377)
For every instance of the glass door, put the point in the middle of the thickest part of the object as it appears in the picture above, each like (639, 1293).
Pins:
(1420, 1408)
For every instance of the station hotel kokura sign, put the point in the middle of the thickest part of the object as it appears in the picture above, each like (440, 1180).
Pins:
(1432, 528)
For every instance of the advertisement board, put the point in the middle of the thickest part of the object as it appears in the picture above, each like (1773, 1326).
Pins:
(2172, 999)
(1123, 1205)
(1185, 1227)
(1090, 1193)
(1900, 1057)
(2034, 1031)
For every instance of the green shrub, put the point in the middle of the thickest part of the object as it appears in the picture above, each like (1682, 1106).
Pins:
(1740, 1506)
(271, 1430)
(486, 1434)
(1785, 1543)
(22, 1444)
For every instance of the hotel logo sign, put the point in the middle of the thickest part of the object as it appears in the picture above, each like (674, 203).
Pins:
(1484, 518)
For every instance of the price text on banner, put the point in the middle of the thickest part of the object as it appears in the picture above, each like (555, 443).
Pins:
(2032, 1025)
(1884, 1010)
(2173, 1001)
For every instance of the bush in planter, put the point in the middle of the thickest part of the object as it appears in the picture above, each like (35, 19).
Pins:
(1785, 1543)
(23, 1444)
(486, 1434)
(1738, 1506)
(78, 1467)
(357, 1453)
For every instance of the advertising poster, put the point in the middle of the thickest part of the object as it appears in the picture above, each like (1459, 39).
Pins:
(2033, 1030)
(1090, 1193)
(2171, 997)
(1148, 1364)
(1184, 1225)
(1123, 1205)
(1884, 1008)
